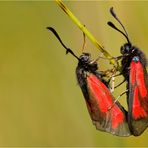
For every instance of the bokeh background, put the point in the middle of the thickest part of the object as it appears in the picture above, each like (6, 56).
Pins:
(41, 103)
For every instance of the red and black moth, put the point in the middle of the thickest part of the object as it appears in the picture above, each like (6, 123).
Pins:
(133, 62)
(97, 95)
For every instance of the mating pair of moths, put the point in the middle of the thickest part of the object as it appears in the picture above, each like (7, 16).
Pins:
(107, 114)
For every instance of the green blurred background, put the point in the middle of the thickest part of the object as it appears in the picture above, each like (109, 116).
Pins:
(40, 101)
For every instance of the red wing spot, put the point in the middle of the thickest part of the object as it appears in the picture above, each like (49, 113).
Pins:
(100, 92)
(140, 80)
(132, 73)
(138, 111)
(117, 118)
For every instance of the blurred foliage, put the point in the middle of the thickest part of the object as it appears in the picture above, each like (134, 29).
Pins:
(40, 101)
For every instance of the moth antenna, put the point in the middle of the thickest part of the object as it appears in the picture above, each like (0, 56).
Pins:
(115, 16)
(113, 26)
(68, 50)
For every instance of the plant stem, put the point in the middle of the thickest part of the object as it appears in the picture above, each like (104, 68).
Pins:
(86, 32)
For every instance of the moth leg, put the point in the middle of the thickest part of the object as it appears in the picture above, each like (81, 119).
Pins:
(111, 79)
(97, 59)
(120, 57)
(118, 98)
(84, 42)
(112, 84)
(120, 83)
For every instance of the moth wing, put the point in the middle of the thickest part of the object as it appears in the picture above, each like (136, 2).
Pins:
(138, 98)
(100, 100)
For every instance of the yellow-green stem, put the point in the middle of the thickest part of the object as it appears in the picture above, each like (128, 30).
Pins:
(85, 30)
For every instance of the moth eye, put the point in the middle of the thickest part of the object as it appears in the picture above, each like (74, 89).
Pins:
(85, 57)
